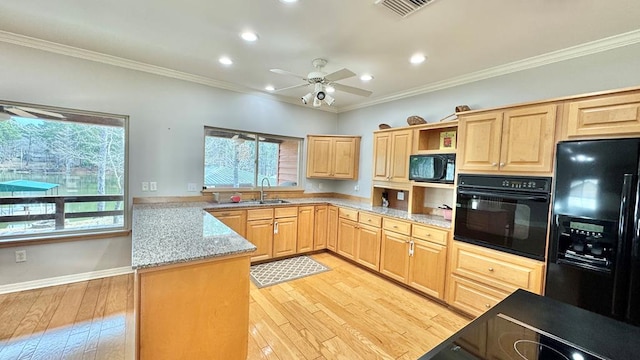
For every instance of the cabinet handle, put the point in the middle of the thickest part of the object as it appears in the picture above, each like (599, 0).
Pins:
(491, 269)
(494, 164)
(369, 220)
(487, 305)
(395, 226)
(411, 247)
(225, 214)
(275, 227)
(501, 164)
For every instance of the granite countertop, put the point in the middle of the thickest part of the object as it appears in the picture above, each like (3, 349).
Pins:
(164, 234)
(399, 214)
(603, 336)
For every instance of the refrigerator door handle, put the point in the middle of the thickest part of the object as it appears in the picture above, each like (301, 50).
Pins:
(626, 230)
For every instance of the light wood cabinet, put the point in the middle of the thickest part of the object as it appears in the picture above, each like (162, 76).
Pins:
(391, 150)
(394, 256)
(194, 310)
(332, 228)
(285, 231)
(604, 115)
(427, 267)
(368, 244)
(347, 234)
(235, 219)
(260, 232)
(320, 227)
(333, 157)
(517, 140)
(489, 276)
(306, 222)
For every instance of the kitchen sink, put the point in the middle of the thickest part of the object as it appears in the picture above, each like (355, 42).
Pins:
(274, 201)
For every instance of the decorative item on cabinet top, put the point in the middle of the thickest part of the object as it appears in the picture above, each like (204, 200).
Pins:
(415, 120)
(459, 108)
(384, 126)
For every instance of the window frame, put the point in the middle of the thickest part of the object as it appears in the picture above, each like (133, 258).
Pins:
(87, 233)
(300, 141)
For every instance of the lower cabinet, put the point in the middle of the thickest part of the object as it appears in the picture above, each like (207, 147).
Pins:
(347, 234)
(235, 219)
(260, 233)
(480, 277)
(320, 230)
(368, 246)
(285, 231)
(332, 228)
(427, 263)
(394, 257)
(306, 216)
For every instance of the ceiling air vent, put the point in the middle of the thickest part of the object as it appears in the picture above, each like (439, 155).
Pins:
(404, 8)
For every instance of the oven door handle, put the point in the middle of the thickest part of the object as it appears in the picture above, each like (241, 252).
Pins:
(505, 195)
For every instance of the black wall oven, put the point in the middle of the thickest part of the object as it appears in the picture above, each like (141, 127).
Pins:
(504, 212)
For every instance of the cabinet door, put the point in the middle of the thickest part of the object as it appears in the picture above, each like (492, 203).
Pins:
(479, 146)
(285, 231)
(605, 115)
(305, 228)
(347, 234)
(528, 139)
(235, 219)
(320, 228)
(319, 154)
(332, 228)
(399, 155)
(260, 233)
(427, 268)
(368, 246)
(345, 155)
(381, 149)
(394, 256)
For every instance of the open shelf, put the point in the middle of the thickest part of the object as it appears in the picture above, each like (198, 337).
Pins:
(429, 140)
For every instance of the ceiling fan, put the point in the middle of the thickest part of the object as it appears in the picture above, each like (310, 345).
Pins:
(320, 80)
(8, 111)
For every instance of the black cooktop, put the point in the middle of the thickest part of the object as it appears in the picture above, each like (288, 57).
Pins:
(529, 326)
(505, 338)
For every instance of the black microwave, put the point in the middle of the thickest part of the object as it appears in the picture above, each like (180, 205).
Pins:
(432, 168)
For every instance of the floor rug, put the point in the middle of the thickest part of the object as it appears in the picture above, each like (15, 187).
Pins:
(277, 272)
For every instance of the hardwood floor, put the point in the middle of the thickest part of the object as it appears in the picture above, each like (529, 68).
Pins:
(345, 313)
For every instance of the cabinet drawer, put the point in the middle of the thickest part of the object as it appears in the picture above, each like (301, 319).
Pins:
(281, 212)
(605, 115)
(348, 214)
(257, 214)
(400, 227)
(430, 234)
(370, 219)
(501, 270)
(225, 213)
(472, 297)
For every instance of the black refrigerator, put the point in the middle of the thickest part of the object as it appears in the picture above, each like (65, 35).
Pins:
(593, 259)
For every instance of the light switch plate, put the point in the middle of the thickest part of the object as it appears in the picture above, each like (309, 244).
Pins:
(145, 186)
(400, 195)
(192, 187)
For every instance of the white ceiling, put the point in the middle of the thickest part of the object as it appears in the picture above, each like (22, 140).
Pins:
(460, 37)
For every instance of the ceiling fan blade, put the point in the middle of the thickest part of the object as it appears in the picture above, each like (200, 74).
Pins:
(41, 112)
(288, 73)
(339, 75)
(20, 113)
(351, 89)
(291, 87)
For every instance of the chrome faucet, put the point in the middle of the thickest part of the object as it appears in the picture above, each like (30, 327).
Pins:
(262, 188)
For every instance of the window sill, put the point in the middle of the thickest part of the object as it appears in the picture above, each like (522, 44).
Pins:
(39, 240)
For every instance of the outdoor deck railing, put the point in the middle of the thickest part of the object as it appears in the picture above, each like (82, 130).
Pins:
(59, 215)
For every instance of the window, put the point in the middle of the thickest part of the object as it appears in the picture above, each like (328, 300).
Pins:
(235, 159)
(61, 171)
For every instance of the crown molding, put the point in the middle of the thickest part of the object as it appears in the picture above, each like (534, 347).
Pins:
(593, 47)
(589, 48)
(79, 53)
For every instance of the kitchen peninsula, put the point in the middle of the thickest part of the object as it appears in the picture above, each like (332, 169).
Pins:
(191, 284)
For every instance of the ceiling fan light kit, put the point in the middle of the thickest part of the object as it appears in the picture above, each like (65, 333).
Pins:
(321, 82)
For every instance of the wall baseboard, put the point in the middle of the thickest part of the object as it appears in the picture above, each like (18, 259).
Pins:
(63, 280)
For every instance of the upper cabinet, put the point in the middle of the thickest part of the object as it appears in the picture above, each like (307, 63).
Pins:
(391, 150)
(604, 115)
(333, 157)
(518, 140)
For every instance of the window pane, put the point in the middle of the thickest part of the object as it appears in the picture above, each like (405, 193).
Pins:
(60, 172)
(229, 161)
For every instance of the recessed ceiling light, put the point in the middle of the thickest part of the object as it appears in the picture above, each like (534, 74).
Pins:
(330, 89)
(225, 60)
(417, 59)
(249, 36)
(269, 88)
(366, 77)
(288, 1)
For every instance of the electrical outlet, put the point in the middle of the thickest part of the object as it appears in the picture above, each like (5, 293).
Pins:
(320, 186)
(400, 195)
(21, 256)
(192, 187)
(357, 187)
(153, 186)
(145, 186)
